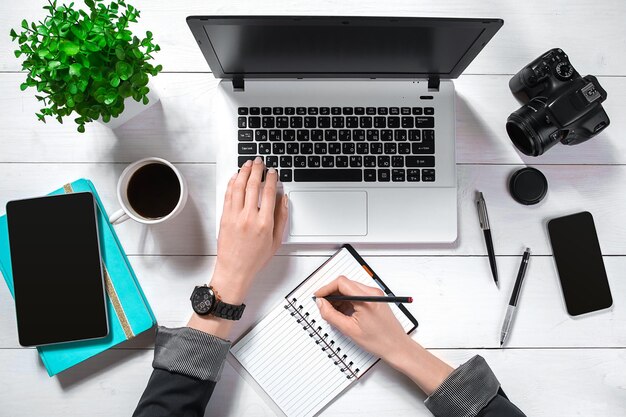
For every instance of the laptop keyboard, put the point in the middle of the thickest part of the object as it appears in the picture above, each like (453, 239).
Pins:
(340, 144)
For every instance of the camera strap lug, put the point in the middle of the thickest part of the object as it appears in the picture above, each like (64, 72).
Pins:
(433, 83)
(238, 83)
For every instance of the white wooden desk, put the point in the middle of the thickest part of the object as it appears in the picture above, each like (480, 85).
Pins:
(553, 365)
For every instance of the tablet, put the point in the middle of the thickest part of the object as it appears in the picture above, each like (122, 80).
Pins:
(57, 271)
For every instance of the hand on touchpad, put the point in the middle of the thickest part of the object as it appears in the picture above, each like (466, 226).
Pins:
(328, 213)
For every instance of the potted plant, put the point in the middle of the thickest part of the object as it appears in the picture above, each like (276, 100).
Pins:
(86, 62)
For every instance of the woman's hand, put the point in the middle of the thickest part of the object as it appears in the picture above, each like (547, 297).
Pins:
(373, 326)
(251, 230)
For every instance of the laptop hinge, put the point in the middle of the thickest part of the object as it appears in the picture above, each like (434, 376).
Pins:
(433, 83)
(238, 84)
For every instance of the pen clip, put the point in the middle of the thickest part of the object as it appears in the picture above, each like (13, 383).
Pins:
(483, 218)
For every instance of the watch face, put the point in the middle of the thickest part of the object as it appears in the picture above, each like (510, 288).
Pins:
(202, 300)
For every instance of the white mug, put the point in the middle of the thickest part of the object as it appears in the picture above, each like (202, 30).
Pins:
(127, 211)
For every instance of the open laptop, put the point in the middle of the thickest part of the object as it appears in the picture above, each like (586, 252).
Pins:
(356, 114)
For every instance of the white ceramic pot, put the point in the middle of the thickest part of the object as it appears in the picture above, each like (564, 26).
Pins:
(132, 108)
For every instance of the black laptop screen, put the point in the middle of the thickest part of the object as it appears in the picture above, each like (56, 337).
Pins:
(329, 46)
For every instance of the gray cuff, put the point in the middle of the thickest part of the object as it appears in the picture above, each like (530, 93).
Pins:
(467, 390)
(190, 352)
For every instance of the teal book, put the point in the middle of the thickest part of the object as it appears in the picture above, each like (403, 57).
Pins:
(129, 311)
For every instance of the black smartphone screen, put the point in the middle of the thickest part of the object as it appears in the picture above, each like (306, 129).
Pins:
(579, 263)
(57, 274)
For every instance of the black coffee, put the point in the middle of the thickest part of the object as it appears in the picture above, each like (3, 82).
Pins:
(153, 191)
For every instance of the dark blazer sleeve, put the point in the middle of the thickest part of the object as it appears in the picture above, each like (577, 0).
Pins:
(187, 364)
(472, 390)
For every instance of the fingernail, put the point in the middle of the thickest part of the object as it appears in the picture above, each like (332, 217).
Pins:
(257, 160)
(286, 201)
(271, 171)
(248, 163)
(234, 175)
(318, 301)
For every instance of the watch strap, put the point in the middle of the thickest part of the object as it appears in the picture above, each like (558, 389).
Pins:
(228, 311)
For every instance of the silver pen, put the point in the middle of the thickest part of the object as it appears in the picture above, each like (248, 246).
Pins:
(510, 311)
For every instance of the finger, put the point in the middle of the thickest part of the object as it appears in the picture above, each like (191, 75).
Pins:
(281, 215)
(338, 320)
(229, 193)
(268, 199)
(253, 188)
(239, 188)
(341, 285)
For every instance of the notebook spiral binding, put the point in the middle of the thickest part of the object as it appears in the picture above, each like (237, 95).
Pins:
(315, 333)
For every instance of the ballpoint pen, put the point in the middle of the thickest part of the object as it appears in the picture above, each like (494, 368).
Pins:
(483, 218)
(510, 311)
(371, 299)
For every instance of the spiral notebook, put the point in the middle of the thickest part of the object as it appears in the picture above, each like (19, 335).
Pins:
(295, 357)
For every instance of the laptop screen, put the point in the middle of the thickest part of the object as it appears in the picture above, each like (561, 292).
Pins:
(322, 46)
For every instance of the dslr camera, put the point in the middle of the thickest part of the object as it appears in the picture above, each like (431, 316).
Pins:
(560, 105)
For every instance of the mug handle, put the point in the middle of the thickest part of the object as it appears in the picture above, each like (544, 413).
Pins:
(118, 217)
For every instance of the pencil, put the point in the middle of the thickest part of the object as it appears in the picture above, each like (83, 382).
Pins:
(370, 299)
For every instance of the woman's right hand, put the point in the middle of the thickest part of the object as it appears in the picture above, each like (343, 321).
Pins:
(372, 326)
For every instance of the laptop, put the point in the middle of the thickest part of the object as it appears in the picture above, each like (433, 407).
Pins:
(356, 114)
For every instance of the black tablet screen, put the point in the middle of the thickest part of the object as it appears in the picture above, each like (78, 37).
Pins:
(55, 257)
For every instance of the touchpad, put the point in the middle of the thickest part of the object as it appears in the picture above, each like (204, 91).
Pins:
(328, 213)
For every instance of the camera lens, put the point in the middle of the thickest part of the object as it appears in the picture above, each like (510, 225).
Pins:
(530, 130)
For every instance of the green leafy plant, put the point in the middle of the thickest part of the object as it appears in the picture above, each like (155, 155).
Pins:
(86, 61)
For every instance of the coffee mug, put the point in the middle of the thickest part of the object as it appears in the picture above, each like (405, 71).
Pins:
(150, 191)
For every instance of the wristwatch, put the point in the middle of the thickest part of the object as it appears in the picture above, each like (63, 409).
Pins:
(205, 300)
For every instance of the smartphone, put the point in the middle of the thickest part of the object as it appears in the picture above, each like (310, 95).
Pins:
(57, 271)
(579, 263)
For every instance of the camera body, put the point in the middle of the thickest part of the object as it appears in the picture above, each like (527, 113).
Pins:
(560, 105)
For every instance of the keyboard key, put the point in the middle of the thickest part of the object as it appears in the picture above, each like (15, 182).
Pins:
(413, 175)
(382, 111)
(334, 148)
(330, 135)
(405, 111)
(275, 135)
(302, 135)
(282, 122)
(313, 161)
(242, 111)
(391, 148)
(295, 122)
(328, 161)
(293, 148)
(429, 111)
(428, 175)
(352, 122)
(335, 110)
(286, 161)
(380, 122)
(397, 175)
(383, 175)
(384, 161)
(289, 135)
(424, 122)
(369, 175)
(306, 148)
(242, 122)
(348, 111)
(394, 111)
(260, 135)
(414, 135)
(299, 161)
(399, 135)
(267, 122)
(428, 135)
(247, 149)
(347, 148)
(358, 135)
(285, 175)
(376, 148)
(301, 111)
(345, 135)
(369, 161)
(417, 111)
(371, 111)
(317, 135)
(272, 162)
(393, 122)
(424, 148)
(278, 148)
(341, 161)
(359, 111)
(407, 122)
(254, 122)
(372, 135)
(362, 148)
(337, 122)
(245, 135)
(356, 161)
(265, 148)
(420, 161)
(386, 135)
(405, 148)
(365, 122)
(290, 111)
(266, 111)
(328, 175)
(310, 122)
(255, 111)
(312, 110)
(324, 111)
(277, 111)
(321, 148)
(397, 161)
(242, 159)
(323, 122)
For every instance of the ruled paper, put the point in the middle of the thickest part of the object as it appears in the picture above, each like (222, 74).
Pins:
(296, 357)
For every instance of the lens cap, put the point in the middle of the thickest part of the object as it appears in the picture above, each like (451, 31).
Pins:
(528, 186)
